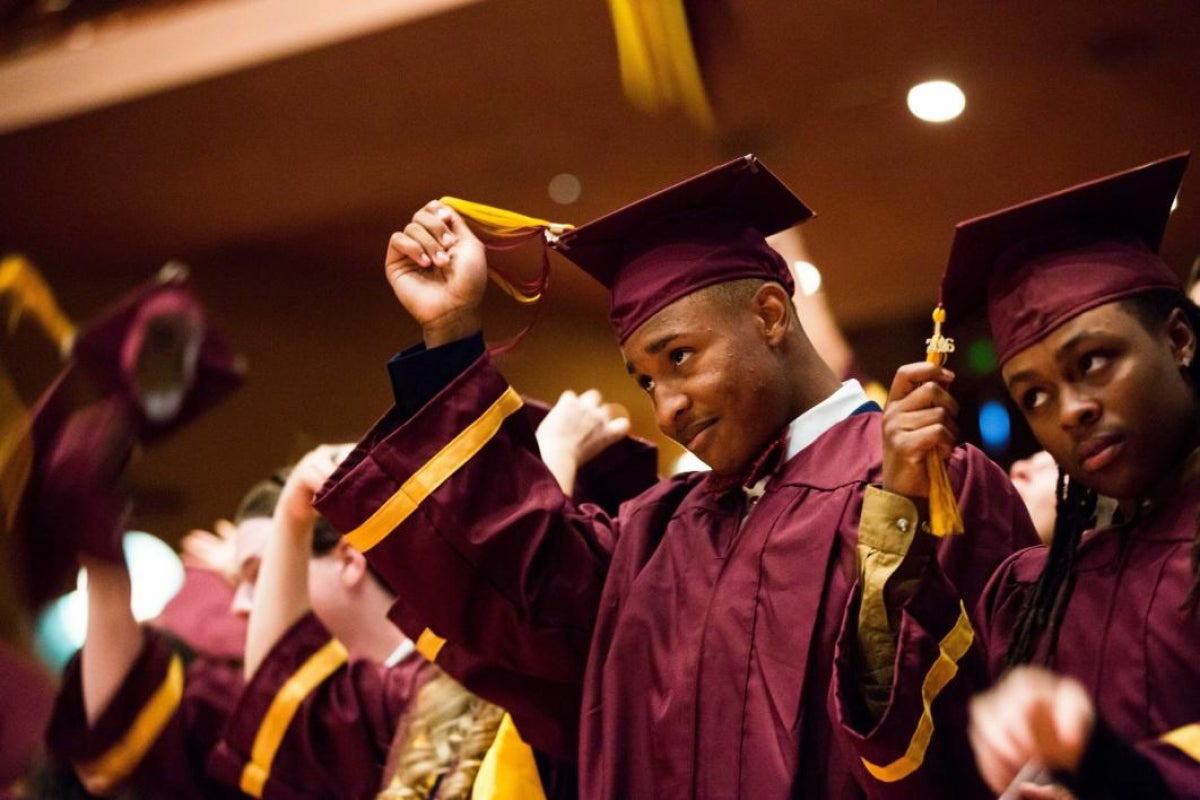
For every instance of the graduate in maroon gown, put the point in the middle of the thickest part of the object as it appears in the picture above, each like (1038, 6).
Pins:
(1097, 346)
(336, 692)
(681, 647)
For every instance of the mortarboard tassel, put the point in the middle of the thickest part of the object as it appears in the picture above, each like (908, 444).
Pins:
(499, 229)
(944, 518)
(658, 62)
(26, 290)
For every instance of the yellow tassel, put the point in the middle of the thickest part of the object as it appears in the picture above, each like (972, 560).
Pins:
(657, 60)
(26, 290)
(499, 228)
(501, 224)
(944, 518)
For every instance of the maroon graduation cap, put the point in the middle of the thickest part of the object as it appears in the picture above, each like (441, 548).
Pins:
(703, 231)
(156, 348)
(155, 364)
(1038, 264)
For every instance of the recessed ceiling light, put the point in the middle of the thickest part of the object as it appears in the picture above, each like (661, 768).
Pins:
(936, 101)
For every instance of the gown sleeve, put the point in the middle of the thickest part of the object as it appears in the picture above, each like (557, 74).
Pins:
(908, 657)
(157, 732)
(488, 559)
(311, 724)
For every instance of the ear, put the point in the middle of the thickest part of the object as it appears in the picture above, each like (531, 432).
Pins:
(772, 306)
(1181, 337)
(352, 564)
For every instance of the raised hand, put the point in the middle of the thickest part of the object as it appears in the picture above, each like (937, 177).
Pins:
(1032, 716)
(438, 271)
(214, 550)
(578, 428)
(919, 417)
(295, 506)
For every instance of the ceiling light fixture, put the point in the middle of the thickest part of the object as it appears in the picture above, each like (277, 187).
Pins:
(936, 101)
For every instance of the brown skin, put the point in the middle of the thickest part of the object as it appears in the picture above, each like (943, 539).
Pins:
(724, 381)
(1108, 399)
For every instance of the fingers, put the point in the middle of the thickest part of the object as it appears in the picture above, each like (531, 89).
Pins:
(1030, 716)
(913, 376)
(426, 240)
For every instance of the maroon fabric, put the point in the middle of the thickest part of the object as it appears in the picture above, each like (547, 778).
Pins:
(337, 743)
(1037, 264)
(1036, 293)
(78, 494)
(108, 347)
(701, 650)
(702, 231)
(1126, 634)
(200, 614)
(175, 765)
(26, 699)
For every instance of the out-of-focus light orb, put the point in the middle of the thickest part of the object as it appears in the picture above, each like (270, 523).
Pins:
(565, 188)
(808, 278)
(936, 101)
(995, 426)
(156, 575)
(981, 356)
(688, 462)
(155, 571)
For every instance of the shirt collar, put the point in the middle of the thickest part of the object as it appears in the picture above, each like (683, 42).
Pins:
(400, 653)
(808, 427)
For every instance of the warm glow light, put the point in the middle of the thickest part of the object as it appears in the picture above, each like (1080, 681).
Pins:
(1175, 202)
(936, 101)
(808, 278)
(565, 188)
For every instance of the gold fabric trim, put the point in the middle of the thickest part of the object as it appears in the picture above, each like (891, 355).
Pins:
(104, 774)
(319, 666)
(953, 647)
(508, 771)
(461, 449)
(1186, 739)
(429, 644)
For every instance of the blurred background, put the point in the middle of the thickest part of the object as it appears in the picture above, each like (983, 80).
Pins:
(274, 145)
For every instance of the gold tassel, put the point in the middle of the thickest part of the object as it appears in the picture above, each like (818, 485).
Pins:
(657, 60)
(26, 290)
(501, 224)
(944, 518)
(501, 229)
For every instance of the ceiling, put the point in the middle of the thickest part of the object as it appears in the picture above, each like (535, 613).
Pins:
(280, 182)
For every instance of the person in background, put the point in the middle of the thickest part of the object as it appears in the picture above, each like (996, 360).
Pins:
(681, 647)
(1036, 480)
(352, 720)
(1097, 346)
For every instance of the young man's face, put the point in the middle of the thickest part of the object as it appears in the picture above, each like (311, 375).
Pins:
(1106, 397)
(712, 379)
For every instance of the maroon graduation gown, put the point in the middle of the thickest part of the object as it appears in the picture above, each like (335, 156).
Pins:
(674, 652)
(310, 724)
(156, 734)
(1124, 635)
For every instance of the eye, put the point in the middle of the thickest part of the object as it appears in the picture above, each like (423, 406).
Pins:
(1033, 399)
(646, 382)
(1093, 361)
(680, 355)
